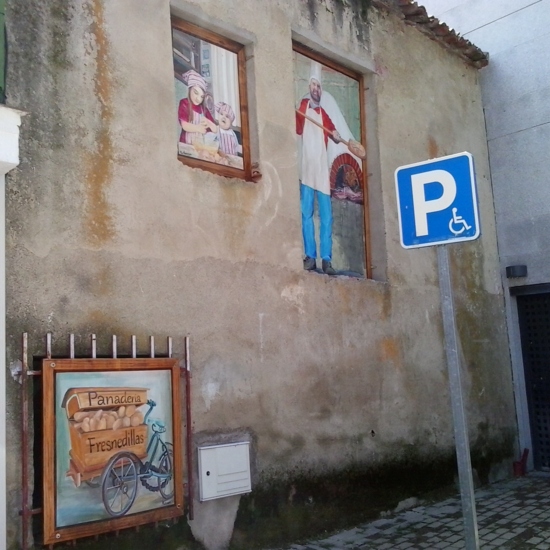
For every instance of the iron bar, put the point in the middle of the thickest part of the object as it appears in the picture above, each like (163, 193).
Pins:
(33, 512)
(189, 430)
(152, 346)
(94, 346)
(114, 347)
(169, 343)
(134, 346)
(25, 442)
(71, 346)
(49, 345)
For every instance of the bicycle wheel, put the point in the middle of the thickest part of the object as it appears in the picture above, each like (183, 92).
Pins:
(166, 467)
(163, 475)
(119, 484)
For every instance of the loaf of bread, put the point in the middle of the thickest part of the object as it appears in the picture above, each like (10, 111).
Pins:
(123, 417)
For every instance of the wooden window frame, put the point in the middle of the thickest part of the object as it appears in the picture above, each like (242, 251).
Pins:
(359, 77)
(239, 50)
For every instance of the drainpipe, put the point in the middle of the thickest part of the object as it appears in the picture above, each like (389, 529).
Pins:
(10, 120)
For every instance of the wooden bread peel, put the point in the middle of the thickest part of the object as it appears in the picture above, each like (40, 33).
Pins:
(354, 146)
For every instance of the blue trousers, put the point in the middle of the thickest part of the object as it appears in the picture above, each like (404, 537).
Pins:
(307, 197)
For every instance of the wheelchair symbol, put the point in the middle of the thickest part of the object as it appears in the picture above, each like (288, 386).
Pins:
(458, 221)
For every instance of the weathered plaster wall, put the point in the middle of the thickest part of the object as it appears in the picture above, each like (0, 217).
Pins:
(109, 233)
(515, 88)
(429, 106)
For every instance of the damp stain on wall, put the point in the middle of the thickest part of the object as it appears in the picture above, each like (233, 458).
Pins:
(433, 148)
(98, 222)
(390, 351)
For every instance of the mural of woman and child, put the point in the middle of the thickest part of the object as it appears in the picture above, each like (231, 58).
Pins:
(207, 89)
(210, 139)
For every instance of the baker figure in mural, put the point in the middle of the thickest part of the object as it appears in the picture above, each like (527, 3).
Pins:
(315, 127)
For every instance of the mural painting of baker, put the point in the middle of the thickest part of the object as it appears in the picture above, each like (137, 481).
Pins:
(330, 162)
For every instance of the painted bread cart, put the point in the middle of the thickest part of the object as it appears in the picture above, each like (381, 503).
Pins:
(110, 450)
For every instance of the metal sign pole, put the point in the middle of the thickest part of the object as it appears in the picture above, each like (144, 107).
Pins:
(457, 402)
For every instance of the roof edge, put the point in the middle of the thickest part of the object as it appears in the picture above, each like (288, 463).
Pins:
(415, 15)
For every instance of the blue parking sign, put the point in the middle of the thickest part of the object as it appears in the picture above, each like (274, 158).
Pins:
(437, 201)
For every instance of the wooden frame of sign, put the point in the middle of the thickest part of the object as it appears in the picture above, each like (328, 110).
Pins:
(111, 445)
(204, 53)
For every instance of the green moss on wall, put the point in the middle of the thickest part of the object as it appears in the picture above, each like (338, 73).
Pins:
(281, 512)
(490, 448)
(60, 17)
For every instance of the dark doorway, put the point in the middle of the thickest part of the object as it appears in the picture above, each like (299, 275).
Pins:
(534, 324)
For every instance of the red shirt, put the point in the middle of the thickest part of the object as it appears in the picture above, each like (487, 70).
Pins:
(183, 114)
(300, 120)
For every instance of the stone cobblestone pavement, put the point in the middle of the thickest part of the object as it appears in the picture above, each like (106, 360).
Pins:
(512, 514)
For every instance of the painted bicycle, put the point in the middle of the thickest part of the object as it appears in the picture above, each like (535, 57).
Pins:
(119, 480)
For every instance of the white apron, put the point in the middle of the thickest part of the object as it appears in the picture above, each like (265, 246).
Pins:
(191, 137)
(315, 172)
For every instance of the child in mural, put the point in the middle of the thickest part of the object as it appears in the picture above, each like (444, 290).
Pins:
(229, 144)
(315, 179)
(195, 119)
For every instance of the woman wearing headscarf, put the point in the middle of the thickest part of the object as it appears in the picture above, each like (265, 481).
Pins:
(195, 119)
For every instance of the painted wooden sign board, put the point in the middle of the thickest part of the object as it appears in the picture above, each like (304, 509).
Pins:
(111, 445)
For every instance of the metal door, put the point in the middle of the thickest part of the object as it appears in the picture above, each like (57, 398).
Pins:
(534, 324)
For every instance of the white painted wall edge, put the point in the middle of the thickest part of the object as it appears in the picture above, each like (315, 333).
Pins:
(10, 120)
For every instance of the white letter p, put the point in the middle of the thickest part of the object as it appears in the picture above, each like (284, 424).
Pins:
(423, 207)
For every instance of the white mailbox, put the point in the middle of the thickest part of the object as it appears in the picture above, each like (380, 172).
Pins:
(224, 470)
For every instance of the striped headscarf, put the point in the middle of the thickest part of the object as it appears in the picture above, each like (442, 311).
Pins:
(225, 109)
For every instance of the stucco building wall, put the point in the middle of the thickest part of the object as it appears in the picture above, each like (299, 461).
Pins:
(109, 233)
(515, 98)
